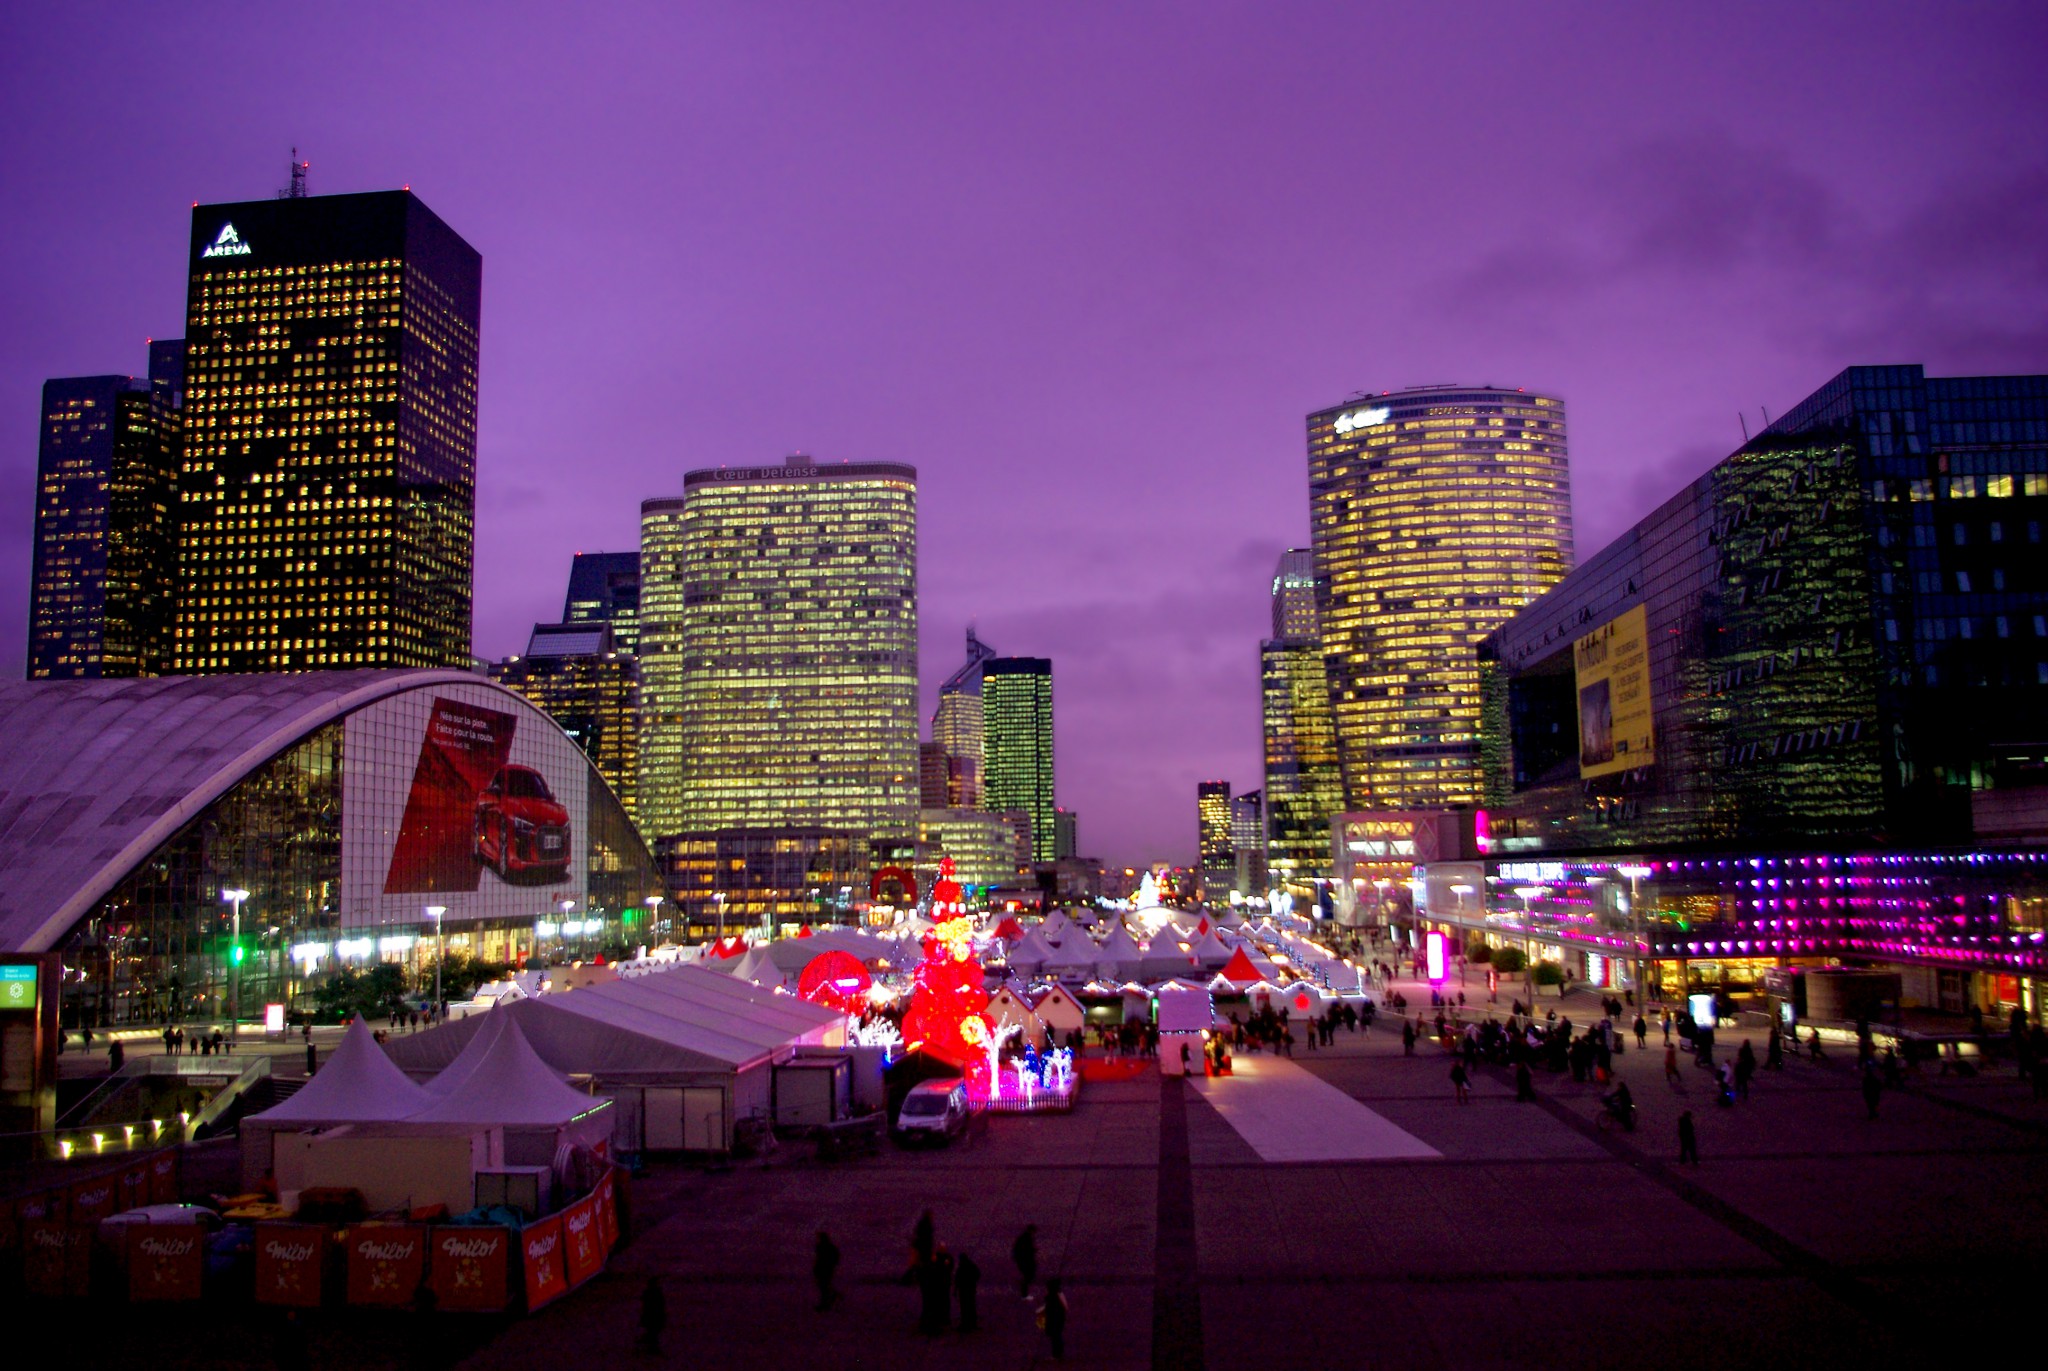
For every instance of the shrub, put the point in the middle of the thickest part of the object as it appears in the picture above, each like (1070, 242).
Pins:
(1548, 973)
(1509, 960)
(1477, 952)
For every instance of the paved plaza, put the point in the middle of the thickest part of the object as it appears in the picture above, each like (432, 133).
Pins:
(1493, 1234)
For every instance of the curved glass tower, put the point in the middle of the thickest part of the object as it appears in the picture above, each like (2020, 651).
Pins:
(1436, 513)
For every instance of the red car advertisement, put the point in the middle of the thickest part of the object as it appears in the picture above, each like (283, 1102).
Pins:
(462, 752)
(467, 802)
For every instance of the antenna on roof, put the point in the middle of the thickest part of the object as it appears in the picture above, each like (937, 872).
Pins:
(1743, 419)
(297, 189)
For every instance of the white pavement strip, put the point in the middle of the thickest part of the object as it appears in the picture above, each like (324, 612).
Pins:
(1288, 1114)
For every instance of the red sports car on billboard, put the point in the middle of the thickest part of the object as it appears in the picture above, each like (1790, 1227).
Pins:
(520, 829)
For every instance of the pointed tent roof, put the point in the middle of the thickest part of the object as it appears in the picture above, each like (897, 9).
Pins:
(358, 1084)
(508, 1084)
(1166, 942)
(1077, 953)
(1240, 971)
(1031, 950)
(1210, 949)
(1055, 927)
(1118, 945)
(1009, 930)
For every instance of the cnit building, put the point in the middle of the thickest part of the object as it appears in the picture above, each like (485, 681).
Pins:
(1795, 718)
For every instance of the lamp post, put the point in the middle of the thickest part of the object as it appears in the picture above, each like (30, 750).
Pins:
(653, 903)
(434, 912)
(719, 896)
(1528, 893)
(235, 897)
(565, 907)
(1635, 876)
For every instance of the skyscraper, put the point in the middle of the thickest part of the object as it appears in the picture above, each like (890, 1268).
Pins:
(575, 674)
(1304, 786)
(957, 725)
(662, 671)
(1216, 857)
(1436, 514)
(327, 491)
(103, 575)
(1248, 842)
(605, 586)
(1017, 773)
(778, 641)
(1294, 594)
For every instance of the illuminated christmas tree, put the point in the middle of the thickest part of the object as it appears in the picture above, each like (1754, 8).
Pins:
(945, 1017)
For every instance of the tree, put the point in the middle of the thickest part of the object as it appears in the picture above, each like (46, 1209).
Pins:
(461, 974)
(1548, 973)
(1477, 952)
(351, 991)
(1509, 961)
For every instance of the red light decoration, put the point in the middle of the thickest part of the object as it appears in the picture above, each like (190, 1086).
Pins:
(835, 980)
(946, 1017)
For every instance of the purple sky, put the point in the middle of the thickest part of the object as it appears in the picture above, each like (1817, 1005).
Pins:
(1086, 266)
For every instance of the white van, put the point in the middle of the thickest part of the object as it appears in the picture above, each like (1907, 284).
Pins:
(934, 1110)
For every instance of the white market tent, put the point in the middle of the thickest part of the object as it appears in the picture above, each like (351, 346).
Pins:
(1031, 952)
(1075, 958)
(1184, 1008)
(1210, 951)
(1056, 927)
(684, 1054)
(1164, 955)
(501, 1083)
(358, 1084)
(1118, 956)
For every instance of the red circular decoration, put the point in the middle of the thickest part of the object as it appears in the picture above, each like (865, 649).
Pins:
(903, 879)
(836, 980)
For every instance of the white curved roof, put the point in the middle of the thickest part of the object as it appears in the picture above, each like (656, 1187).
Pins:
(95, 775)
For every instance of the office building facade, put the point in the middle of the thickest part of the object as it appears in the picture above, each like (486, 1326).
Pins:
(1436, 513)
(1838, 636)
(576, 675)
(326, 496)
(1016, 713)
(103, 577)
(604, 587)
(957, 726)
(778, 644)
(1304, 786)
(1216, 855)
(1248, 842)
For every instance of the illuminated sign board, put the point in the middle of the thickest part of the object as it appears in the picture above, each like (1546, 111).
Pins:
(17, 987)
(273, 1018)
(1349, 422)
(1436, 959)
(228, 244)
(1613, 668)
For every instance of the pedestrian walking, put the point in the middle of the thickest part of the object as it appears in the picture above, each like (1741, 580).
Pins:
(824, 1266)
(1461, 1082)
(1052, 1317)
(1774, 1052)
(935, 1285)
(921, 1239)
(967, 1286)
(1642, 1032)
(1407, 1038)
(653, 1316)
(1671, 1063)
(1688, 1140)
(1667, 1025)
(1024, 1253)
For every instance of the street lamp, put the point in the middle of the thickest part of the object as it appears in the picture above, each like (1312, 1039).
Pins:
(1528, 893)
(565, 907)
(719, 895)
(434, 912)
(653, 903)
(235, 897)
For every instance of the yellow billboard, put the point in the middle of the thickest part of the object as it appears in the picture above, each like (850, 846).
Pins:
(1612, 664)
